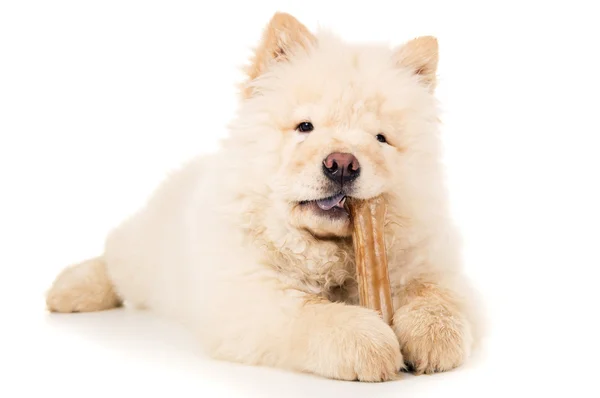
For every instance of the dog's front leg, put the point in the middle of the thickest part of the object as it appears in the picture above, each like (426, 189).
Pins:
(280, 327)
(430, 322)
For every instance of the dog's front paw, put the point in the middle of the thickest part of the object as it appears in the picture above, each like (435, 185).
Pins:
(356, 345)
(432, 339)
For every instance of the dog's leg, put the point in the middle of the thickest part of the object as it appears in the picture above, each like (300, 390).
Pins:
(284, 328)
(430, 323)
(83, 287)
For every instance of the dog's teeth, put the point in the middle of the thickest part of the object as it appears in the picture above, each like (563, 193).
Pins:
(341, 203)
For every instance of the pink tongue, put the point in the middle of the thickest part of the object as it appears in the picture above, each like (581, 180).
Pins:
(330, 203)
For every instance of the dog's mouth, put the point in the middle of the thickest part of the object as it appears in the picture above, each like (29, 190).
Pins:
(332, 206)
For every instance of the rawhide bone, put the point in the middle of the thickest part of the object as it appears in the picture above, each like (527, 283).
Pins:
(368, 239)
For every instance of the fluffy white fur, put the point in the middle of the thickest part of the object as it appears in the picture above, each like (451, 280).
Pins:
(263, 280)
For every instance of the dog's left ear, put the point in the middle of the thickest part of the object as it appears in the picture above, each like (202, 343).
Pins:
(421, 56)
(282, 37)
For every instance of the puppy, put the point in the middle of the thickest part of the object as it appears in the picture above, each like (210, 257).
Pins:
(251, 247)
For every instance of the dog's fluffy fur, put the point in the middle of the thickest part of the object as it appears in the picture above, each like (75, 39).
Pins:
(228, 246)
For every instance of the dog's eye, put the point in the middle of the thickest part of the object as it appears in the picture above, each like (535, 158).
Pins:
(381, 138)
(305, 127)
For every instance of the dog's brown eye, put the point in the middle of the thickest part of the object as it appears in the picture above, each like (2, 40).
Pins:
(305, 127)
(381, 138)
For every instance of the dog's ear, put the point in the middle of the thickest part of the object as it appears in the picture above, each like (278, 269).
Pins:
(283, 35)
(421, 56)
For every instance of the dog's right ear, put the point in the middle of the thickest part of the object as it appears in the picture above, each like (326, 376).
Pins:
(282, 37)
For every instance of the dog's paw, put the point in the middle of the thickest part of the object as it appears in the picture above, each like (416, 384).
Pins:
(432, 339)
(357, 345)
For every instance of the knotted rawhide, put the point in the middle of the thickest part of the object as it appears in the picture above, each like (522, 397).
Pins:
(368, 239)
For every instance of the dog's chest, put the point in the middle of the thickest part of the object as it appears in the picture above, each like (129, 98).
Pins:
(325, 268)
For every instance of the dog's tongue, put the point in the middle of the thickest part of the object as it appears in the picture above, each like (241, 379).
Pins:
(330, 203)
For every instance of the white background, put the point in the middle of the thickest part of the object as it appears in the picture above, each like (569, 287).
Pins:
(98, 100)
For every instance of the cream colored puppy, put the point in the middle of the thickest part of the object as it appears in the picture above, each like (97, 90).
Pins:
(251, 248)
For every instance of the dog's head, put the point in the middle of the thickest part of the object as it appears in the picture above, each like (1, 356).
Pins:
(321, 120)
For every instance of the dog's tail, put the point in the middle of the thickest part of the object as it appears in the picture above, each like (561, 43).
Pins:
(83, 287)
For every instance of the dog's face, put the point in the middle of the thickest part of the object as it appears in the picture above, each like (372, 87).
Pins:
(330, 121)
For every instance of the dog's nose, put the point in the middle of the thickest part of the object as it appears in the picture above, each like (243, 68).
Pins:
(341, 167)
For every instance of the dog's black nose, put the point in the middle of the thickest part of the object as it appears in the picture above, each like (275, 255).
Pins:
(341, 167)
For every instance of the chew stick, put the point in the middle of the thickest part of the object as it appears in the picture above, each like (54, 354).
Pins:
(370, 254)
